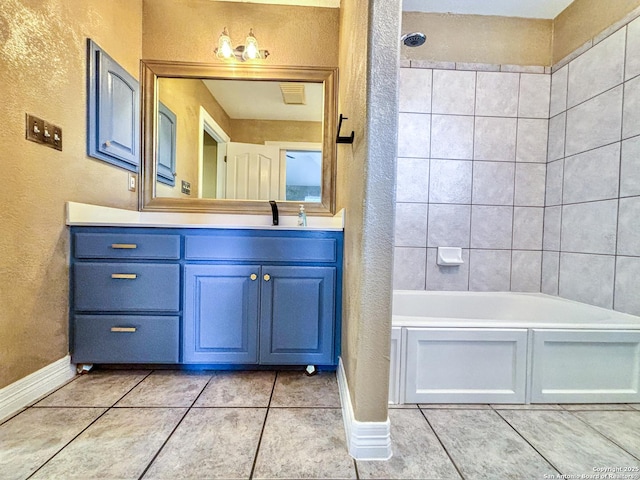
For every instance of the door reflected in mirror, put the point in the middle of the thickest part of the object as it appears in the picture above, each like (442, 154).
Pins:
(243, 139)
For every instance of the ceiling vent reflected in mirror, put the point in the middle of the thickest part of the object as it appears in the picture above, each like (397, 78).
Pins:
(293, 93)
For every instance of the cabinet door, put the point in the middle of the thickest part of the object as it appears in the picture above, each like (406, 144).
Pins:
(166, 145)
(221, 314)
(297, 315)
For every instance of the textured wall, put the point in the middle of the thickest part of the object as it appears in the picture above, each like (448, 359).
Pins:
(471, 174)
(479, 39)
(584, 19)
(294, 35)
(260, 131)
(43, 65)
(591, 234)
(368, 97)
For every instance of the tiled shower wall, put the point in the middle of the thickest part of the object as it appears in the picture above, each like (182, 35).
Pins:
(472, 147)
(592, 214)
(471, 173)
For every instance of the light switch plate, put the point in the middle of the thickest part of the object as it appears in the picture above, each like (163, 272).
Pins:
(132, 182)
(34, 129)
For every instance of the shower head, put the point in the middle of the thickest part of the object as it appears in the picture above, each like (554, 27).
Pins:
(414, 39)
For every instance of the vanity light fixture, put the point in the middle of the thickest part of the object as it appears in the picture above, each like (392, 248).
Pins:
(248, 51)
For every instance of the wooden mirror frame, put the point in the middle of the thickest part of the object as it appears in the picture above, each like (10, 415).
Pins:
(151, 70)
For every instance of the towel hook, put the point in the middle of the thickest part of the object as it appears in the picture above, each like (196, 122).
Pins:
(340, 139)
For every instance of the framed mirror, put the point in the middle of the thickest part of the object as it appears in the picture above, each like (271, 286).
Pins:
(229, 138)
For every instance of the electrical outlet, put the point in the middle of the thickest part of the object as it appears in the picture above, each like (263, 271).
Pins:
(35, 129)
(186, 188)
(132, 182)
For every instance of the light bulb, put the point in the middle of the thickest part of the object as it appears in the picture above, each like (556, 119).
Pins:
(225, 50)
(251, 50)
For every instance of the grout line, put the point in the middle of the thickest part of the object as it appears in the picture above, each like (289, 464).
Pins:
(527, 441)
(264, 424)
(70, 441)
(355, 465)
(441, 443)
(573, 413)
(144, 472)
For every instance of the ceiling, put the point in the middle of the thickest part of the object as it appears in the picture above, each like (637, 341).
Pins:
(504, 8)
(262, 100)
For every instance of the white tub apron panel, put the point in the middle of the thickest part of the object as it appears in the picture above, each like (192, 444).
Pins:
(585, 366)
(465, 365)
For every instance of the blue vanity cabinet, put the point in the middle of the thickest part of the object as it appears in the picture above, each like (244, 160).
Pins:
(221, 314)
(125, 296)
(297, 315)
(265, 296)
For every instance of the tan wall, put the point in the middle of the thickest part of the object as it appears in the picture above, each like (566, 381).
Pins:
(43, 65)
(583, 20)
(366, 182)
(260, 131)
(184, 98)
(294, 35)
(479, 39)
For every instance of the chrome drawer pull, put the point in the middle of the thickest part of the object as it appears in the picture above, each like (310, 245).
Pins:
(123, 329)
(126, 246)
(124, 276)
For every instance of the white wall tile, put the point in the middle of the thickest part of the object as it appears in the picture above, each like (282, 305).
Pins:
(630, 168)
(414, 131)
(627, 298)
(526, 270)
(530, 184)
(633, 50)
(449, 277)
(550, 269)
(454, 92)
(587, 278)
(490, 270)
(557, 126)
(493, 183)
(631, 108)
(497, 94)
(590, 227)
(449, 225)
(491, 227)
(412, 180)
(452, 137)
(450, 181)
(552, 225)
(629, 227)
(594, 123)
(409, 268)
(411, 225)
(558, 101)
(527, 228)
(532, 140)
(592, 175)
(597, 70)
(495, 139)
(535, 91)
(553, 191)
(415, 90)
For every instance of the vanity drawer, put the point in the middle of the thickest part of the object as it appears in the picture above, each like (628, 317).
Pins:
(127, 245)
(262, 249)
(125, 339)
(119, 287)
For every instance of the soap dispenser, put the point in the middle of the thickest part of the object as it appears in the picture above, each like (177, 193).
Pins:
(302, 217)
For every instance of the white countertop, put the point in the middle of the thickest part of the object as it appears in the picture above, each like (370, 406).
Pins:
(82, 214)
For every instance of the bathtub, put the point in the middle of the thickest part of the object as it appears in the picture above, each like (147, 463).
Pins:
(477, 347)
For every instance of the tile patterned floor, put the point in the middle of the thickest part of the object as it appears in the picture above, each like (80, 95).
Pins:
(115, 425)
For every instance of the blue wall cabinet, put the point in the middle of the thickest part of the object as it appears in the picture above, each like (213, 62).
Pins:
(297, 315)
(221, 308)
(113, 111)
(166, 145)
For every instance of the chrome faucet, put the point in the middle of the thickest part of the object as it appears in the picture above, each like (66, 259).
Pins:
(274, 211)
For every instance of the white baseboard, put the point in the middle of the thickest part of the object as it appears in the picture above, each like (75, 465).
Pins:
(21, 393)
(366, 440)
